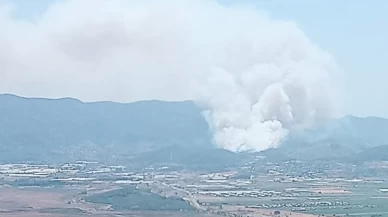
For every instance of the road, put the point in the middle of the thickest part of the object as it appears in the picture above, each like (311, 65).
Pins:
(188, 196)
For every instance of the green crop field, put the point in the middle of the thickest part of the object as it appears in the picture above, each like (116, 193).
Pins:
(130, 198)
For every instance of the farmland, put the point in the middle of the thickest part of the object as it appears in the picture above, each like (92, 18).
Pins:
(260, 189)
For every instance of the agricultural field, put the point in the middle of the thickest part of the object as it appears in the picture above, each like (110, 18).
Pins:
(321, 197)
(92, 189)
(130, 198)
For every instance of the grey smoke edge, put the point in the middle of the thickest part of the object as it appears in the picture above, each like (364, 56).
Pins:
(258, 77)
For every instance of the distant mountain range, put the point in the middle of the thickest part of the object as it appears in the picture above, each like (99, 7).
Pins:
(60, 130)
(65, 129)
(341, 138)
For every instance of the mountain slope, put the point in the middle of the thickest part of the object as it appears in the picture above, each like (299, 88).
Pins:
(208, 159)
(340, 138)
(45, 129)
(379, 153)
(67, 129)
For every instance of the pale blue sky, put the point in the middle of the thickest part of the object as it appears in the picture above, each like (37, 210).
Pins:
(354, 32)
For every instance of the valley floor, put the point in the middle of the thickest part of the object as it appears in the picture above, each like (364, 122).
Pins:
(261, 189)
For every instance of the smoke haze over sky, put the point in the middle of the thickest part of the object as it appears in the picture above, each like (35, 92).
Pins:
(352, 31)
(259, 76)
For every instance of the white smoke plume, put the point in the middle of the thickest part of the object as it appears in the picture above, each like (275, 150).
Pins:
(257, 78)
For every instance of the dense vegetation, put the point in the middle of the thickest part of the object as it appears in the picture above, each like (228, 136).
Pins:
(32, 182)
(130, 198)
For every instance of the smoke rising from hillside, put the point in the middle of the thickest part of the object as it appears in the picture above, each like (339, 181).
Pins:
(256, 77)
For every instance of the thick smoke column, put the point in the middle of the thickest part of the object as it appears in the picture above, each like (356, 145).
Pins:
(270, 85)
(256, 77)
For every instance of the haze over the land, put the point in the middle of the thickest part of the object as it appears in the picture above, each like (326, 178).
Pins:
(257, 78)
(64, 130)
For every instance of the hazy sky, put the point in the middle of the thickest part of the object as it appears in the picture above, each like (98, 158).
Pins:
(354, 32)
